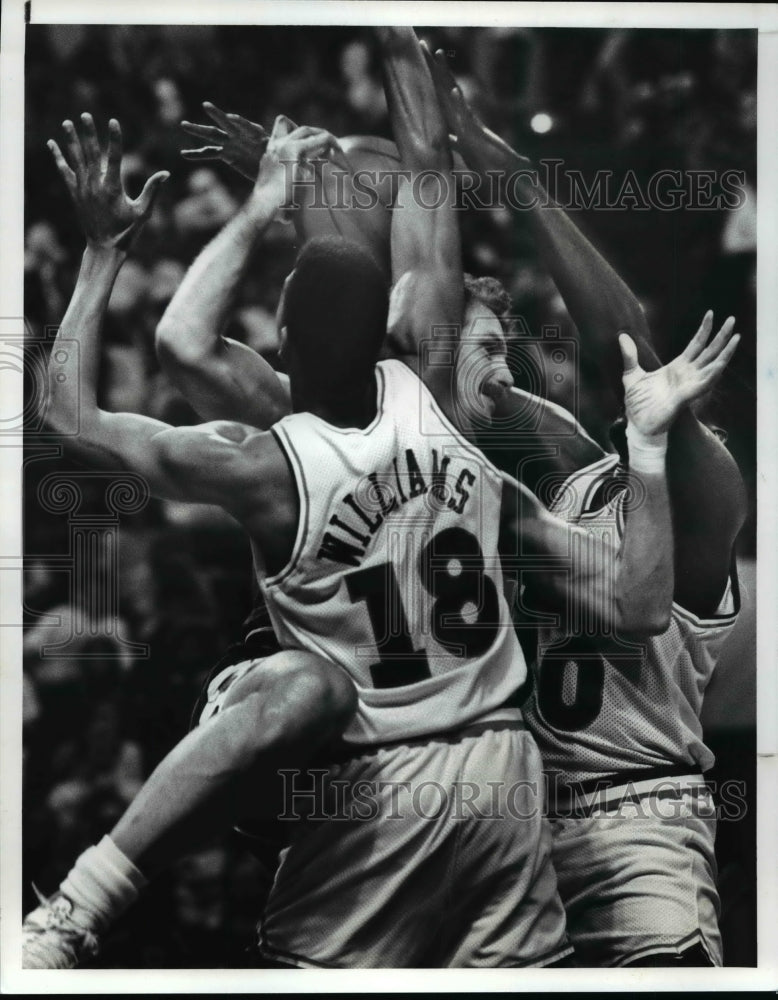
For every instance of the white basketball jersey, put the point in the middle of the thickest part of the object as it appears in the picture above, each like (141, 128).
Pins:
(395, 573)
(594, 715)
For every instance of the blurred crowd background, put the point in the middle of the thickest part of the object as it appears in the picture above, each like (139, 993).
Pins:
(102, 710)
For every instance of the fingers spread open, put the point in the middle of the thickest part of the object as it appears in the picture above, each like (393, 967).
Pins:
(74, 147)
(458, 98)
(712, 371)
(715, 347)
(67, 174)
(251, 130)
(442, 62)
(113, 167)
(203, 153)
(221, 118)
(145, 200)
(90, 144)
(207, 132)
(447, 77)
(700, 339)
(428, 56)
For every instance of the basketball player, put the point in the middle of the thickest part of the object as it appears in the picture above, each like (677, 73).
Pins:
(618, 726)
(387, 422)
(708, 518)
(300, 701)
(204, 358)
(248, 474)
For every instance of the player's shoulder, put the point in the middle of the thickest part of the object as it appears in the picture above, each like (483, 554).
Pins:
(585, 491)
(604, 465)
(397, 369)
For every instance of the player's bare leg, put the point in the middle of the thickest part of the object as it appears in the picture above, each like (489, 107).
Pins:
(281, 712)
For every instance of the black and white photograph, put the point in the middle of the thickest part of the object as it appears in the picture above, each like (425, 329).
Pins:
(386, 505)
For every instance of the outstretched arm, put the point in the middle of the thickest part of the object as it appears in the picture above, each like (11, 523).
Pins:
(706, 489)
(600, 303)
(427, 295)
(222, 378)
(201, 464)
(351, 196)
(232, 139)
(593, 582)
(111, 221)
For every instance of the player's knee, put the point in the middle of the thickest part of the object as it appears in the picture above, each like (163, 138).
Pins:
(317, 690)
(294, 696)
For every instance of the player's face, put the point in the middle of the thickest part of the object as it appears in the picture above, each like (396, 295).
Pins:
(483, 375)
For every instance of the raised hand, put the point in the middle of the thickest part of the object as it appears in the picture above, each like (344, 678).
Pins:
(468, 134)
(234, 140)
(293, 153)
(108, 216)
(652, 400)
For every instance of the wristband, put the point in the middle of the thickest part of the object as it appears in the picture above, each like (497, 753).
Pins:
(646, 451)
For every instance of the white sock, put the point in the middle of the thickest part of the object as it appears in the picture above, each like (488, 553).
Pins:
(104, 882)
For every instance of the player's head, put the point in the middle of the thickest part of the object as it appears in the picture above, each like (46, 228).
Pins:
(482, 366)
(332, 318)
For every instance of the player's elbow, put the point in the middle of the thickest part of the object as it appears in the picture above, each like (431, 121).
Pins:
(168, 343)
(176, 347)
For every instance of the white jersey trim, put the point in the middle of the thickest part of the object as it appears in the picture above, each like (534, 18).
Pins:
(610, 459)
(298, 474)
(722, 619)
(731, 594)
(678, 948)
(455, 432)
(301, 486)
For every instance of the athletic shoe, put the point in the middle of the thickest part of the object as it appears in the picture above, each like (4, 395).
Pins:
(57, 934)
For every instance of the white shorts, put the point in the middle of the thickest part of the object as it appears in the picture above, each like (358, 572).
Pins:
(639, 879)
(425, 854)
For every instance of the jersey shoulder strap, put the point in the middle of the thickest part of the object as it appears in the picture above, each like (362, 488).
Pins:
(578, 493)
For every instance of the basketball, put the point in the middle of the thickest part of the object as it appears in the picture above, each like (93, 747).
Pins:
(355, 206)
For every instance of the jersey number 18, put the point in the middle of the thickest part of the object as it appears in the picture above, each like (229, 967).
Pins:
(399, 663)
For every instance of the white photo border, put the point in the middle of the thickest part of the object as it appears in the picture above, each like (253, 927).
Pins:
(761, 16)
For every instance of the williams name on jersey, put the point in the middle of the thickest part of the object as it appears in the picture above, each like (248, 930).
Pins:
(349, 538)
(395, 573)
